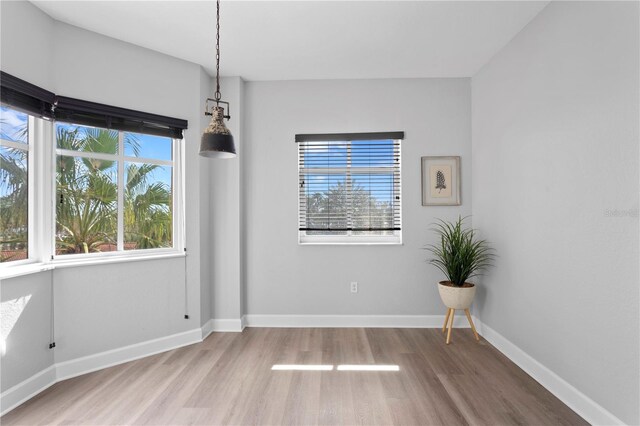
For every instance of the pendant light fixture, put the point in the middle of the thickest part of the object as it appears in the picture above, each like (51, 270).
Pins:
(217, 141)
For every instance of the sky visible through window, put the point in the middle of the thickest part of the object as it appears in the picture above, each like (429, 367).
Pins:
(142, 146)
(13, 125)
(156, 147)
(13, 128)
(364, 154)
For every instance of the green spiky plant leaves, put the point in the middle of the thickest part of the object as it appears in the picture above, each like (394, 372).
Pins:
(87, 193)
(460, 255)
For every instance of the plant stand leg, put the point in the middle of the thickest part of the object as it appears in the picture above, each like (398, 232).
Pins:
(446, 319)
(453, 311)
(475, 333)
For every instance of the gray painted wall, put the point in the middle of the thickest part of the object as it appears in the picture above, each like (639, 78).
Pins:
(555, 146)
(27, 45)
(225, 214)
(283, 277)
(26, 303)
(206, 283)
(103, 307)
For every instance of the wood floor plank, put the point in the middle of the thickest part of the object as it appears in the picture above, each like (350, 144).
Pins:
(228, 380)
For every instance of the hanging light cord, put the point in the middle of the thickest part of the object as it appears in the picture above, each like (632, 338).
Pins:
(217, 95)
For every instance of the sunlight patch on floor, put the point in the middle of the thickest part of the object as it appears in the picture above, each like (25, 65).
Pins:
(368, 367)
(301, 367)
(341, 367)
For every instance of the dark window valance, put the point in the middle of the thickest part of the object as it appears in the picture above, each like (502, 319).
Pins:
(330, 137)
(37, 101)
(88, 113)
(25, 96)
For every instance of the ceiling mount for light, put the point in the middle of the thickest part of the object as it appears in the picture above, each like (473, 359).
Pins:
(217, 141)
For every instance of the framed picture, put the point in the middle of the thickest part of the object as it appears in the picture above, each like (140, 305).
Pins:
(441, 181)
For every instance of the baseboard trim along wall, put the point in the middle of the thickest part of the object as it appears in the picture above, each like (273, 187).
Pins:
(572, 397)
(27, 389)
(341, 321)
(587, 408)
(227, 325)
(207, 329)
(79, 366)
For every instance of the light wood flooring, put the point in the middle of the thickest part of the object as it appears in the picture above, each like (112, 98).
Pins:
(227, 379)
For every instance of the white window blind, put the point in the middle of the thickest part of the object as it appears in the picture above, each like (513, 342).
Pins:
(349, 187)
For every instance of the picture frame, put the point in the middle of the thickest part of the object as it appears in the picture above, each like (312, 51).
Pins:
(441, 181)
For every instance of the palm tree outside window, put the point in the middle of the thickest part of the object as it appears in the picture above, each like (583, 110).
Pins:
(114, 190)
(14, 185)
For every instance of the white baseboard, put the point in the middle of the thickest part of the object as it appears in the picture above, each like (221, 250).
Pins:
(76, 367)
(587, 408)
(27, 389)
(32, 386)
(227, 325)
(341, 321)
(243, 322)
(207, 329)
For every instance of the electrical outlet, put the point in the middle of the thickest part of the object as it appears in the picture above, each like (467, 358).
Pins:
(354, 286)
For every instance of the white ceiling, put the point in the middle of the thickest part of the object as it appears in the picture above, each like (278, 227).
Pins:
(296, 40)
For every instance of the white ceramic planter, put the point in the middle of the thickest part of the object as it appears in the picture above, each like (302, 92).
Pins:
(457, 297)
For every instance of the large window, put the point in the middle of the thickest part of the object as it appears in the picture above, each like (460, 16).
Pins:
(114, 190)
(14, 185)
(349, 188)
(82, 181)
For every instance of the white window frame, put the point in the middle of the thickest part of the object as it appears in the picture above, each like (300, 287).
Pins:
(41, 177)
(32, 250)
(349, 238)
(178, 227)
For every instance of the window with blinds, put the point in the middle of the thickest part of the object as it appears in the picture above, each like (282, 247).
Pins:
(349, 188)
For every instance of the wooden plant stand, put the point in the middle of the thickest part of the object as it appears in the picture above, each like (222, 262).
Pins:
(449, 319)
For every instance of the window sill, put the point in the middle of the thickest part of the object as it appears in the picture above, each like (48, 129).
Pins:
(61, 262)
(348, 243)
(341, 240)
(13, 271)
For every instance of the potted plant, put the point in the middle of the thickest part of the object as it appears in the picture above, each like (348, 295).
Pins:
(460, 255)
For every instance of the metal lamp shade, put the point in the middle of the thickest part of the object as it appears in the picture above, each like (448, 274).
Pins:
(217, 146)
(217, 141)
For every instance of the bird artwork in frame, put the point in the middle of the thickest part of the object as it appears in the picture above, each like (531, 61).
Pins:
(441, 181)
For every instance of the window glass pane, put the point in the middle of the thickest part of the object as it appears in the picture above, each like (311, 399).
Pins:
(86, 205)
(372, 196)
(349, 188)
(87, 139)
(372, 153)
(147, 206)
(325, 154)
(14, 204)
(147, 146)
(327, 204)
(13, 125)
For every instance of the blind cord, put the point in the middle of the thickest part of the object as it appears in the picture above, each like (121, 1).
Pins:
(328, 193)
(52, 331)
(186, 293)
